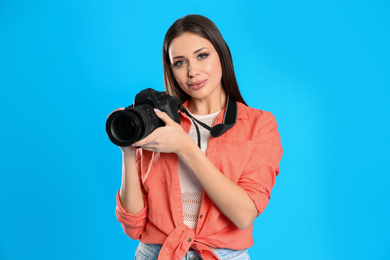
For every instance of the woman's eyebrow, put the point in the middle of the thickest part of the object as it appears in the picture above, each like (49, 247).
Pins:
(195, 52)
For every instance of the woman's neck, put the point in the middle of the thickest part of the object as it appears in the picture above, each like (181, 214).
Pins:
(207, 105)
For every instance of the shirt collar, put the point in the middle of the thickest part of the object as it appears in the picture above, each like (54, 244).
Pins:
(241, 113)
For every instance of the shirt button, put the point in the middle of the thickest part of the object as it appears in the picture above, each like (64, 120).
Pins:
(189, 240)
(201, 216)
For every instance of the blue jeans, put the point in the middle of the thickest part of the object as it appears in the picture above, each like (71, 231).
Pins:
(150, 252)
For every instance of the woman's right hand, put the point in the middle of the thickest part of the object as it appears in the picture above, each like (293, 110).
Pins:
(128, 150)
(130, 193)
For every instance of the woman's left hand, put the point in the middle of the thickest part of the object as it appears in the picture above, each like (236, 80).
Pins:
(236, 204)
(170, 138)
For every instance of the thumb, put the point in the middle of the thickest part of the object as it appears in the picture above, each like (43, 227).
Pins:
(121, 108)
(163, 116)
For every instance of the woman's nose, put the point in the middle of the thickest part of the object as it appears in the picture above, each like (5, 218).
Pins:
(193, 70)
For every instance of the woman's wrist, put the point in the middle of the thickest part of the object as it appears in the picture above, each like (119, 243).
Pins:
(128, 151)
(187, 148)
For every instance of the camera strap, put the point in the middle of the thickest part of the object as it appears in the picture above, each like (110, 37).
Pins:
(229, 120)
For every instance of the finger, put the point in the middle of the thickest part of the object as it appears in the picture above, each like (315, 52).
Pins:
(140, 143)
(146, 141)
(121, 108)
(164, 117)
(151, 149)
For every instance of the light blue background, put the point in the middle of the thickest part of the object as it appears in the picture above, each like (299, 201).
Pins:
(321, 67)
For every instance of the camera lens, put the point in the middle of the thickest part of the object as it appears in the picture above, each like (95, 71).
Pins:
(123, 128)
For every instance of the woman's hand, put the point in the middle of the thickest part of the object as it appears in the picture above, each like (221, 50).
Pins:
(236, 204)
(129, 150)
(168, 139)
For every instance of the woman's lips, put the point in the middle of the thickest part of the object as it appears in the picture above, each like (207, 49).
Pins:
(198, 84)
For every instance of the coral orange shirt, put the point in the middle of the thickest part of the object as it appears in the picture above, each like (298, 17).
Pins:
(248, 154)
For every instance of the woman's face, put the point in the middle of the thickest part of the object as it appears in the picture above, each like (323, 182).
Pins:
(196, 66)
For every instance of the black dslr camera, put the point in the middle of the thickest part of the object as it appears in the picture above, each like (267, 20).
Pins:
(125, 127)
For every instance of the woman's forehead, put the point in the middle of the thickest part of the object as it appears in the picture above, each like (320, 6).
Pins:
(188, 43)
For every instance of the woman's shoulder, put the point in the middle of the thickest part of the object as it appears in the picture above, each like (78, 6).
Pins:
(250, 113)
(255, 124)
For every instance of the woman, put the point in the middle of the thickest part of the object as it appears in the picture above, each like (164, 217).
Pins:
(185, 198)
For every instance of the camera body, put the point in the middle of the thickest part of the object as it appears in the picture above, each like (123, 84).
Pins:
(125, 127)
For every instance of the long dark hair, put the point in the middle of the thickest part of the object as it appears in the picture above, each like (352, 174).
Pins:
(205, 28)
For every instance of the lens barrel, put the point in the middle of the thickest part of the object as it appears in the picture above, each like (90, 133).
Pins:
(125, 127)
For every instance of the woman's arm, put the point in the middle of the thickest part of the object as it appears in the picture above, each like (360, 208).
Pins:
(131, 210)
(130, 193)
(232, 200)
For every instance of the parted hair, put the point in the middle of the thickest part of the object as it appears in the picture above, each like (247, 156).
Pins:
(205, 28)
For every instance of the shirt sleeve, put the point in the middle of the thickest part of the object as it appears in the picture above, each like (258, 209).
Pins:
(133, 225)
(263, 166)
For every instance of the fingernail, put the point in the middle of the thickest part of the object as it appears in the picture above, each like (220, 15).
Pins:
(157, 110)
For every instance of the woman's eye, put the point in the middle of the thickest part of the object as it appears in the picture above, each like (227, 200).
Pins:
(178, 63)
(203, 56)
